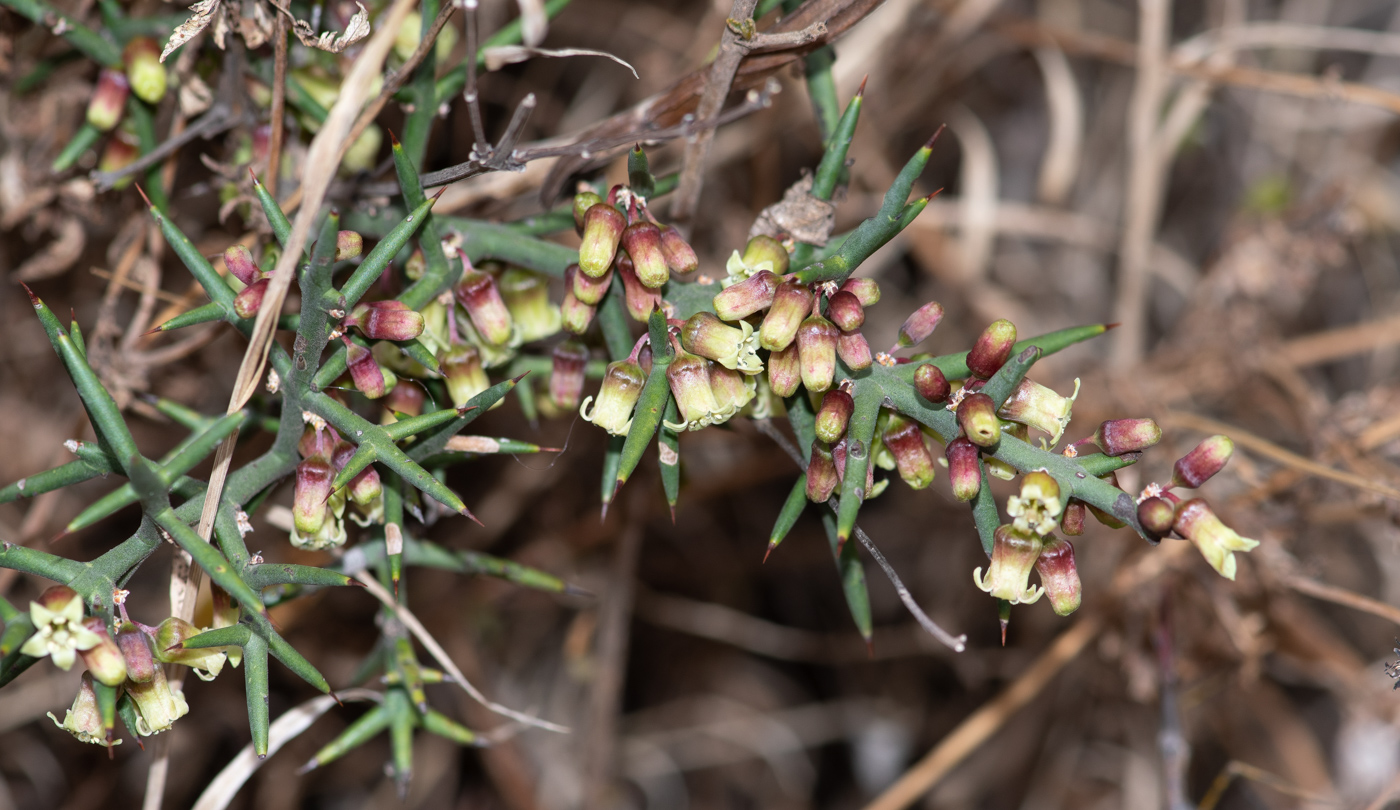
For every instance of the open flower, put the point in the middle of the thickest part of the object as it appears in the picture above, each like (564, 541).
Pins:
(622, 386)
(84, 720)
(157, 705)
(207, 662)
(1013, 556)
(1037, 509)
(1198, 523)
(58, 627)
(689, 377)
(732, 347)
(1059, 575)
(1039, 407)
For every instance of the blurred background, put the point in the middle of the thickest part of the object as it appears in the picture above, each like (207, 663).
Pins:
(1218, 176)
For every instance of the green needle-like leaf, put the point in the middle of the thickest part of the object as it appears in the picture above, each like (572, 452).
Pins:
(74, 472)
(439, 273)
(84, 139)
(270, 574)
(613, 321)
(860, 437)
(364, 729)
(639, 175)
(256, 691)
(668, 446)
(281, 226)
(787, 516)
(18, 629)
(984, 510)
(852, 574)
(443, 726)
(1005, 381)
(208, 313)
(432, 442)
(651, 406)
(954, 366)
(214, 285)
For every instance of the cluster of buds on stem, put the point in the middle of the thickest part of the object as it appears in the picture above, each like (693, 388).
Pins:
(318, 510)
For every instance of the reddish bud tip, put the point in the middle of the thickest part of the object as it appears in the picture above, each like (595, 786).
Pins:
(992, 349)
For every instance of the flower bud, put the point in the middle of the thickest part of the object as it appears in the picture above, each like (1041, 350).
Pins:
(992, 349)
(1008, 577)
(845, 311)
(405, 399)
(792, 302)
(784, 371)
(1059, 576)
(730, 346)
(642, 241)
(1156, 515)
(108, 99)
(478, 295)
(1118, 436)
(566, 378)
(931, 384)
(366, 487)
(249, 300)
(963, 469)
(816, 347)
(240, 264)
(311, 494)
(622, 386)
(645, 356)
(386, 320)
(834, 414)
(157, 705)
(977, 417)
(121, 151)
(1072, 521)
(416, 265)
(1036, 406)
(103, 659)
(146, 74)
(369, 378)
(1197, 466)
(1037, 508)
(602, 231)
(588, 289)
(1217, 542)
(732, 389)
(866, 290)
(206, 662)
(58, 627)
(463, 372)
(854, 351)
(905, 441)
(753, 294)
(641, 299)
(136, 651)
(690, 385)
(348, 245)
(575, 314)
(318, 443)
(583, 201)
(764, 248)
(84, 720)
(919, 325)
(680, 256)
(821, 474)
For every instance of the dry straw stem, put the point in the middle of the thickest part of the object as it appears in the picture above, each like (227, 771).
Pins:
(986, 721)
(1334, 344)
(1246, 771)
(1344, 597)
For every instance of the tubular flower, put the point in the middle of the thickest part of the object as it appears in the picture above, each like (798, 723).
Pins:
(136, 649)
(1037, 509)
(1041, 408)
(784, 371)
(348, 245)
(464, 374)
(141, 56)
(366, 495)
(1059, 575)
(157, 705)
(834, 414)
(386, 320)
(1008, 577)
(602, 230)
(866, 290)
(919, 325)
(1072, 521)
(108, 100)
(1118, 436)
(1196, 522)
(732, 389)
(84, 720)
(1156, 516)
(241, 265)
(642, 240)
(992, 349)
(58, 627)
(731, 347)
(911, 456)
(641, 299)
(622, 386)
(207, 662)
(931, 384)
(478, 294)
(821, 474)
(854, 350)
(764, 248)
(744, 298)
(963, 469)
(312, 493)
(680, 256)
(527, 298)
(1197, 466)
(845, 311)
(583, 201)
(588, 289)
(792, 301)
(249, 299)
(566, 378)
(690, 384)
(816, 349)
(371, 380)
(978, 419)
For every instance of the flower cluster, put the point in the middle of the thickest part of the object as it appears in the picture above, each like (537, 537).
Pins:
(318, 510)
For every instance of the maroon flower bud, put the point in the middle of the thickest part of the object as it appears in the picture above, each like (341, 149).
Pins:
(463, 372)
(785, 371)
(108, 99)
(845, 311)
(838, 455)
(366, 487)
(386, 320)
(730, 346)
(645, 356)
(583, 201)
(119, 153)
(588, 289)
(1059, 576)
(602, 230)
(249, 300)
(348, 245)
(104, 659)
(566, 378)
(853, 350)
(575, 315)
(368, 377)
(977, 416)
(622, 386)
(642, 241)
(866, 290)
(992, 349)
(905, 441)
(764, 248)
(1197, 466)
(931, 384)
(753, 294)
(1217, 542)
(318, 443)
(1013, 556)
(1072, 521)
(341, 454)
(527, 298)
(1156, 516)
(241, 265)
(146, 74)
(641, 299)
(310, 495)
(1118, 436)
(834, 414)
(816, 347)
(963, 468)
(919, 325)
(732, 389)
(136, 651)
(478, 295)
(689, 376)
(416, 265)
(405, 399)
(792, 302)
(680, 256)
(821, 474)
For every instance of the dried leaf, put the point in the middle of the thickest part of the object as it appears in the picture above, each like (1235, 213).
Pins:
(356, 30)
(499, 57)
(534, 22)
(799, 215)
(254, 24)
(201, 14)
(195, 96)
